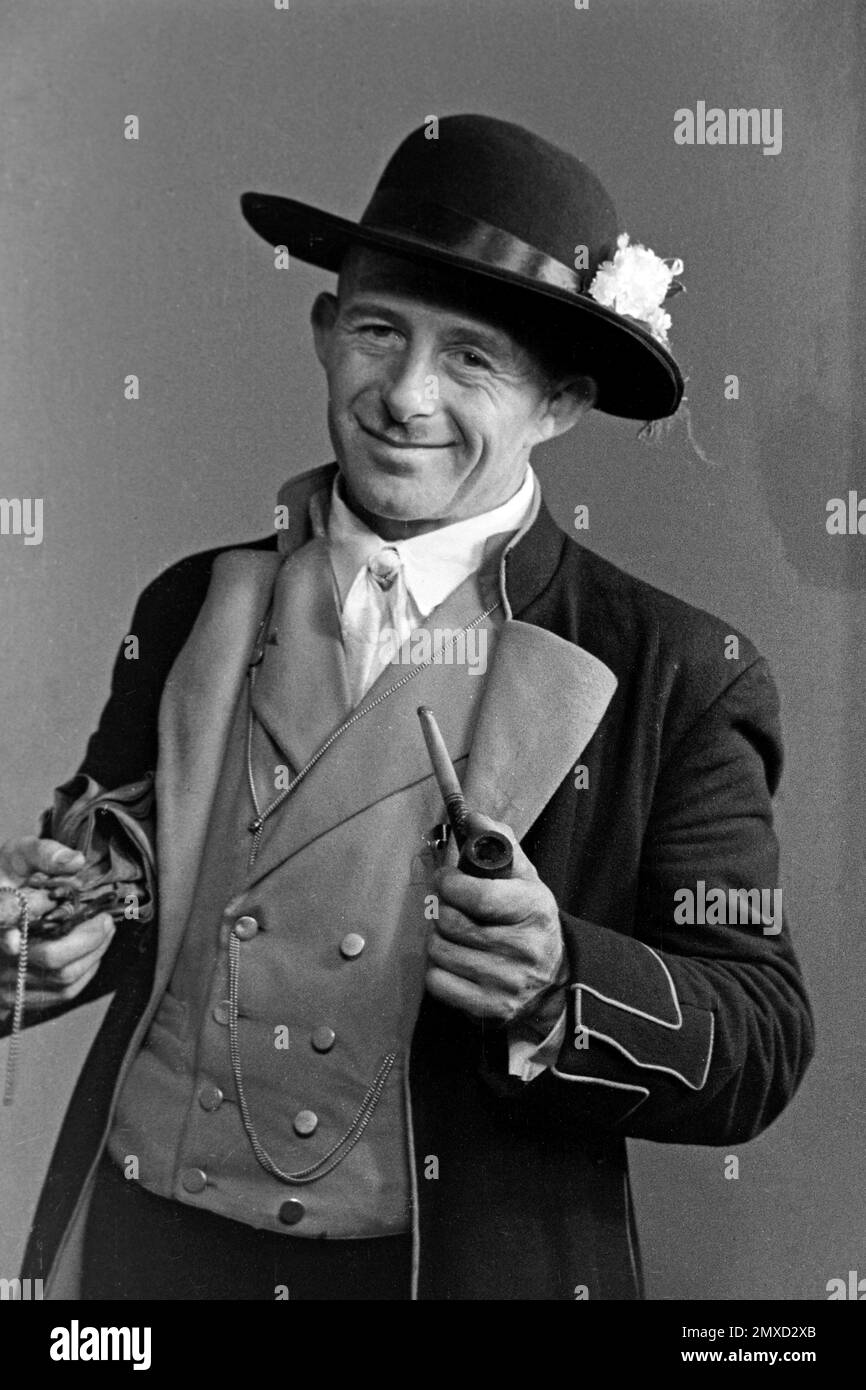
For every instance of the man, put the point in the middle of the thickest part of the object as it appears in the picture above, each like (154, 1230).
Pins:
(342, 1068)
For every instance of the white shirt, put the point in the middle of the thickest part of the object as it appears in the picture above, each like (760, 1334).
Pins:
(432, 566)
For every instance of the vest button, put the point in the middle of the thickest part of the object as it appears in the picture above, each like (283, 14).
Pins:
(323, 1039)
(305, 1122)
(291, 1212)
(245, 928)
(210, 1097)
(193, 1180)
(352, 945)
(222, 1012)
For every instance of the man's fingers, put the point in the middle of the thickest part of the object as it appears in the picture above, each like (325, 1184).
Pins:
(500, 900)
(38, 998)
(70, 974)
(463, 994)
(511, 940)
(58, 970)
(62, 958)
(39, 903)
(458, 960)
(24, 856)
(92, 935)
(478, 967)
(55, 953)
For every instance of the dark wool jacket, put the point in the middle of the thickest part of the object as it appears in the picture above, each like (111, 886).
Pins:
(696, 1034)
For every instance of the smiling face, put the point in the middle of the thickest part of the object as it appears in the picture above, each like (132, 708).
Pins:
(434, 404)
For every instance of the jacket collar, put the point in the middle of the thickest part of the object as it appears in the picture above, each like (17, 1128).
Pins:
(528, 564)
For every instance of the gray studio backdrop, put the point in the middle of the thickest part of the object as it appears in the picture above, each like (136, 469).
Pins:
(122, 257)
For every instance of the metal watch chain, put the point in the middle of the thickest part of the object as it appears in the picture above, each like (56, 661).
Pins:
(20, 988)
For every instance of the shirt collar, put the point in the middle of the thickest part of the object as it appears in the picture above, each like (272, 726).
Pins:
(435, 563)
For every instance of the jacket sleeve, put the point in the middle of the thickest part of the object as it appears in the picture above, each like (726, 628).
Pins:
(123, 747)
(696, 1028)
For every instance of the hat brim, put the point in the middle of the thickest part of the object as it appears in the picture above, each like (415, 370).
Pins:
(636, 377)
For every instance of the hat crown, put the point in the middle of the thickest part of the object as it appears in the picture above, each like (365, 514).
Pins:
(496, 172)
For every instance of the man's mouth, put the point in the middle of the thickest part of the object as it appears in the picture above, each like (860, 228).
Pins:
(402, 442)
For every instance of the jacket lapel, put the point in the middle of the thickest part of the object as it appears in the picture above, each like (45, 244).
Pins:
(195, 717)
(543, 702)
(301, 690)
(545, 696)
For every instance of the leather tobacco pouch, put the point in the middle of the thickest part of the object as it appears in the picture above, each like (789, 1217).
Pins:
(115, 831)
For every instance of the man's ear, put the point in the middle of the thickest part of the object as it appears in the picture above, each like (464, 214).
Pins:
(566, 402)
(323, 316)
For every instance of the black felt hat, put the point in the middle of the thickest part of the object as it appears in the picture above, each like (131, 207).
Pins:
(490, 198)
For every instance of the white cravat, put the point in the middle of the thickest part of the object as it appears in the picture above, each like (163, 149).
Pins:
(375, 607)
(386, 588)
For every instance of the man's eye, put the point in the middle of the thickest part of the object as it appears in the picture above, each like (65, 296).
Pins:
(471, 359)
(379, 331)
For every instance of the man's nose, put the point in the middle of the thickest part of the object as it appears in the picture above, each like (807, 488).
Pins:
(412, 388)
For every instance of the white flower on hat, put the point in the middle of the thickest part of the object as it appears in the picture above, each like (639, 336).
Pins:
(636, 283)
